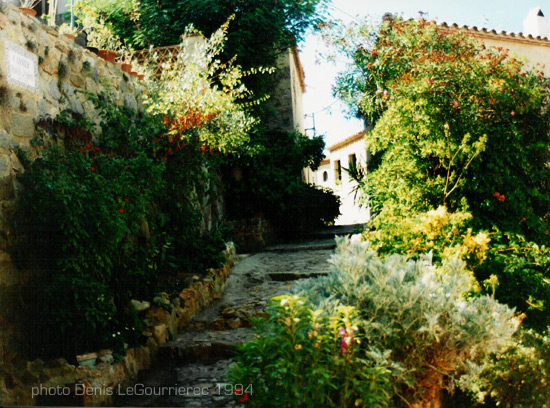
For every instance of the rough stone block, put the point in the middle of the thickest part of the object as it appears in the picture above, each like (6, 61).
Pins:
(91, 85)
(42, 107)
(67, 89)
(76, 105)
(22, 125)
(160, 333)
(54, 89)
(130, 102)
(9, 275)
(77, 81)
(6, 140)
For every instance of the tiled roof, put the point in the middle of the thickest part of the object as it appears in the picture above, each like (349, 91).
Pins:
(484, 32)
(347, 141)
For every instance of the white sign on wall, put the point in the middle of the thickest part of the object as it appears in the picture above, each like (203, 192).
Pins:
(22, 67)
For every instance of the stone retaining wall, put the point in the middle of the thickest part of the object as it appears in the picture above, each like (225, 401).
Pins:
(252, 235)
(62, 70)
(95, 386)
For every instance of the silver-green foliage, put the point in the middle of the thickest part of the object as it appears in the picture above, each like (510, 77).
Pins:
(517, 376)
(419, 311)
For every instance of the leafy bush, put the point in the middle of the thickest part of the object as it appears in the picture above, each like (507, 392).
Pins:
(439, 232)
(417, 311)
(522, 269)
(271, 183)
(307, 358)
(411, 318)
(308, 207)
(84, 207)
(106, 220)
(513, 269)
(453, 124)
(517, 376)
(83, 214)
(200, 98)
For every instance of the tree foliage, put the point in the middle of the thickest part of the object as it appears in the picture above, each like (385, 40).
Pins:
(259, 33)
(271, 183)
(200, 97)
(453, 123)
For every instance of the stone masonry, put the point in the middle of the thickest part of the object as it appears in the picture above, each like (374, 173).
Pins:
(64, 70)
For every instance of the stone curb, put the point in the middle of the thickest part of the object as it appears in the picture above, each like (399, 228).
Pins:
(95, 386)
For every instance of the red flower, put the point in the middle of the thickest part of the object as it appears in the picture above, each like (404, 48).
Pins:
(165, 158)
(88, 147)
(512, 113)
(120, 210)
(126, 199)
(93, 168)
(97, 149)
(244, 398)
(455, 104)
(499, 197)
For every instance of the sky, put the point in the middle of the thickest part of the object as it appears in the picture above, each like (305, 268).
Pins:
(330, 119)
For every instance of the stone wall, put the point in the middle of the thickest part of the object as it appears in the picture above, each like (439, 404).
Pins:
(252, 234)
(51, 70)
(287, 97)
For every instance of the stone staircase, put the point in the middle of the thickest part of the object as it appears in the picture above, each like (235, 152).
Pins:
(193, 364)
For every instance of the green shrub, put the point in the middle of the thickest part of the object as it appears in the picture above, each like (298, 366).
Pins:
(271, 183)
(439, 232)
(82, 214)
(308, 207)
(413, 320)
(516, 377)
(307, 358)
(453, 123)
(121, 214)
(506, 264)
(522, 269)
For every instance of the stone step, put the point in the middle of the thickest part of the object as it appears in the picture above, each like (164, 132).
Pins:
(188, 385)
(204, 345)
(303, 246)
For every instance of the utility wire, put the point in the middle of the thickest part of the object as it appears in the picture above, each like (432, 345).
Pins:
(343, 12)
(326, 107)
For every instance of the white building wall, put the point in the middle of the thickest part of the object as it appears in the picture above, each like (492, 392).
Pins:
(351, 211)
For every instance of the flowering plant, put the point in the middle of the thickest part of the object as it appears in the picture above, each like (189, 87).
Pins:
(452, 122)
(309, 358)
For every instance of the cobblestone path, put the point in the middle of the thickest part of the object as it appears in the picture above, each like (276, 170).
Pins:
(195, 362)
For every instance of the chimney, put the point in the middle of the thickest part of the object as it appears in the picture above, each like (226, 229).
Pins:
(536, 24)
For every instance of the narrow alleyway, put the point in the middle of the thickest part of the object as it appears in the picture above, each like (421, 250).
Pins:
(197, 359)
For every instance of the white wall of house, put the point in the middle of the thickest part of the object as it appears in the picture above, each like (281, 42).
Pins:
(331, 174)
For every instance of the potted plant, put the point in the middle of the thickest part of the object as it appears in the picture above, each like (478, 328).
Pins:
(126, 59)
(27, 7)
(97, 33)
(67, 31)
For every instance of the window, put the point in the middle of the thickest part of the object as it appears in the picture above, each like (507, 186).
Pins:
(337, 171)
(325, 176)
(352, 160)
